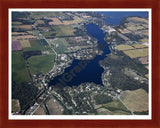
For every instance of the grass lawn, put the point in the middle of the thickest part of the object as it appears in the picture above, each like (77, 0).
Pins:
(43, 63)
(19, 72)
(137, 53)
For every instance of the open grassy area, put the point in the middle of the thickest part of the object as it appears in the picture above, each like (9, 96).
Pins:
(25, 43)
(42, 63)
(19, 72)
(124, 47)
(136, 100)
(137, 53)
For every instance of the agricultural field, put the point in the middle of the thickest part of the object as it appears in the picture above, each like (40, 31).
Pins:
(143, 60)
(38, 45)
(38, 15)
(136, 100)
(25, 27)
(60, 45)
(144, 40)
(138, 19)
(124, 47)
(139, 46)
(59, 31)
(56, 21)
(25, 43)
(44, 29)
(137, 53)
(124, 31)
(19, 72)
(39, 22)
(54, 107)
(16, 23)
(23, 37)
(19, 33)
(113, 108)
(16, 46)
(38, 63)
(103, 111)
(15, 105)
(64, 30)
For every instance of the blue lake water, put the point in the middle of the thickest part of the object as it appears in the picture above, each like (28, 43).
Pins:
(114, 18)
(92, 72)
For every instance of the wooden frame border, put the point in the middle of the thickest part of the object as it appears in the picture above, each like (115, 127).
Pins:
(6, 4)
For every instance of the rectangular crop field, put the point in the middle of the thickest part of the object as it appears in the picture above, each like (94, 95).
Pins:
(16, 46)
(137, 53)
(35, 43)
(124, 47)
(25, 43)
(19, 71)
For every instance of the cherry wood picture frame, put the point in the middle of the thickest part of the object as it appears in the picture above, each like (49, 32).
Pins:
(107, 4)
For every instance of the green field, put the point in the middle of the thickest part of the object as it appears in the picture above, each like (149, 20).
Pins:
(35, 43)
(115, 105)
(41, 64)
(137, 53)
(60, 31)
(19, 72)
(60, 45)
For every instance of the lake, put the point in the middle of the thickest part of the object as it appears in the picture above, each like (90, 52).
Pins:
(92, 71)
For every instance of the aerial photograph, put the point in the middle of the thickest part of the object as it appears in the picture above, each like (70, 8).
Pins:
(79, 62)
